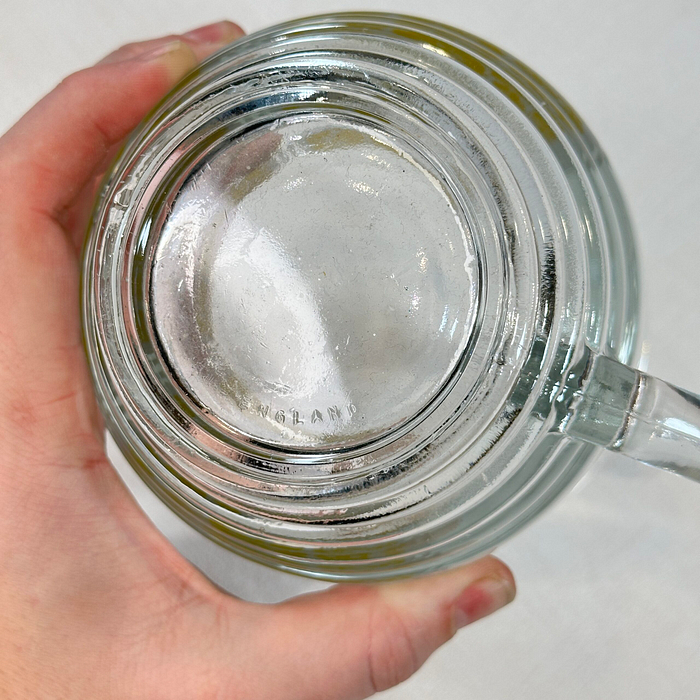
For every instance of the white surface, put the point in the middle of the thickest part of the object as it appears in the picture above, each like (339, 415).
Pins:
(609, 599)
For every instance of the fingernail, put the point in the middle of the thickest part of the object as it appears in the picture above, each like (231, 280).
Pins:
(215, 33)
(481, 599)
(176, 56)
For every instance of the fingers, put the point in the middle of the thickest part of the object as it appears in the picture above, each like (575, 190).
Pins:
(351, 641)
(48, 162)
(203, 41)
(52, 152)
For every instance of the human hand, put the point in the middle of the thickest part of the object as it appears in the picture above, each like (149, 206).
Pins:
(94, 602)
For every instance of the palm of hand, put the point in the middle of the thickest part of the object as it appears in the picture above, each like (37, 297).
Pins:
(94, 603)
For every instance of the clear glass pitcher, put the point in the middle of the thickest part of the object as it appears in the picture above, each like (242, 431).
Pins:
(360, 300)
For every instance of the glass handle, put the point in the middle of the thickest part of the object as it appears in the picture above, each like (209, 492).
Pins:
(628, 411)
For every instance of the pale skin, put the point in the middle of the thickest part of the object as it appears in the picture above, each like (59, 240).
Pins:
(94, 602)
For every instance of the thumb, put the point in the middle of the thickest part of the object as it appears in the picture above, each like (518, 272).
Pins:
(354, 640)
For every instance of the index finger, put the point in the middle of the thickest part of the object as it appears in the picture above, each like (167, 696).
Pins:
(50, 154)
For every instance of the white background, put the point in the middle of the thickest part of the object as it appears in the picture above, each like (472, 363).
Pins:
(609, 579)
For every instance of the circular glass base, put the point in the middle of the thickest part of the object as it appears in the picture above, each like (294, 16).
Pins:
(314, 283)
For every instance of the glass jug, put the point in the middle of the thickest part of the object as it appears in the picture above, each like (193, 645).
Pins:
(360, 300)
